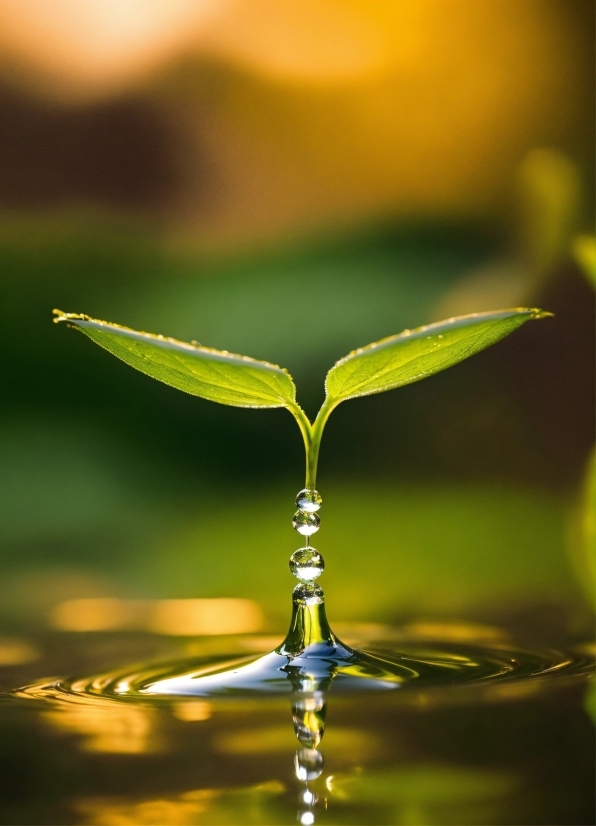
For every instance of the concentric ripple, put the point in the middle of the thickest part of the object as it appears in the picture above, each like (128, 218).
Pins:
(413, 666)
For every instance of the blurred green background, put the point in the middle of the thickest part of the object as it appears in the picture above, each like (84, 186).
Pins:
(291, 180)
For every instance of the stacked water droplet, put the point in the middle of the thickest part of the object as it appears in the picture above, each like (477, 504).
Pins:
(307, 563)
(306, 519)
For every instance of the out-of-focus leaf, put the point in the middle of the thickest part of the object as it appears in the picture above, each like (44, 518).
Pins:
(201, 371)
(590, 701)
(584, 249)
(414, 355)
(582, 533)
(588, 526)
(549, 191)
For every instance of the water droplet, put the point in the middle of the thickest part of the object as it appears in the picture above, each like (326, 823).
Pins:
(306, 523)
(309, 764)
(309, 501)
(307, 564)
(307, 819)
(308, 714)
(308, 737)
(309, 798)
(308, 593)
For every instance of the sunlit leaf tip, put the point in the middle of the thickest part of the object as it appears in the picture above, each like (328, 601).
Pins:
(216, 375)
(415, 354)
(538, 314)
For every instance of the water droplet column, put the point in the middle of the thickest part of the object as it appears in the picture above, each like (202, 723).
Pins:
(307, 563)
(309, 633)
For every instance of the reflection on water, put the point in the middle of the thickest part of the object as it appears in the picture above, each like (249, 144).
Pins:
(308, 713)
(109, 728)
(186, 809)
(193, 711)
(476, 731)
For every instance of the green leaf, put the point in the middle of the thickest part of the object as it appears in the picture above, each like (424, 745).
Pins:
(416, 354)
(201, 371)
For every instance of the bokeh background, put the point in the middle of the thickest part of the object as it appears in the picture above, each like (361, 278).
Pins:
(291, 179)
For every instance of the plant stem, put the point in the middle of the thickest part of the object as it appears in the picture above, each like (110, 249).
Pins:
(306, 430)
(312, 434)
(312, 458)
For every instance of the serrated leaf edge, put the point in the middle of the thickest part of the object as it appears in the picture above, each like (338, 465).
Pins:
(532, 312)
(165, 341)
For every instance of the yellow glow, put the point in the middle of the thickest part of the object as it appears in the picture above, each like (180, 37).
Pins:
(314, 41)
(112, 729)
(335, 110)
(178, 812)
(205, 616)
(175, 617)
(466, 89)
(14, 651)
(185, 809)
(193, 711)
(94, 614)
(82, 48)
(584, 249)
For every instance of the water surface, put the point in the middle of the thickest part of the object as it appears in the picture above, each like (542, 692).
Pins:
(487, 732)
